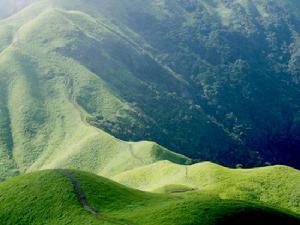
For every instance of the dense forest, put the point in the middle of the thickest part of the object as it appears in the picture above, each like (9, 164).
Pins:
(236, 99)
(214, 80)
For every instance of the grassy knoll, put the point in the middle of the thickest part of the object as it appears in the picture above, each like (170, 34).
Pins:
(49, 198)
(274, 185)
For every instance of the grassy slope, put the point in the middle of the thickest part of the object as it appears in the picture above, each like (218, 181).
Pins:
(50, 83)
(48, 198)
(123, 15)
(40, 198)
(276, 186)
(41, 89)
(64, 47)
(42, 117)
(51, 93)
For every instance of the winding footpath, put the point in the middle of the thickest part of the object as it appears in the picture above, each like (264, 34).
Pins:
(82, 199)
(135, 156)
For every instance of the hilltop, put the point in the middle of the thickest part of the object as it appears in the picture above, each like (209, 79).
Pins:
(276, 186)
(52, 197)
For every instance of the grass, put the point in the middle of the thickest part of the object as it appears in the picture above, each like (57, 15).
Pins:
(63, 64)
(42, 198)
(46, 103)
(53, 88)
(51, 84)
(174, 188)
(276, 186)
(48, 198)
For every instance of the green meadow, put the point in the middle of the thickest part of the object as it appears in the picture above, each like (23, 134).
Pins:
(50, 198)
(276, 186)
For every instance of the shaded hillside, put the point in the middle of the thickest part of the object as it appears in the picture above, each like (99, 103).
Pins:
(214, 80)
(238, 67)
(241, 62)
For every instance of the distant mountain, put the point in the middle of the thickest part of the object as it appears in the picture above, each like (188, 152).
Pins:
(73, 197)
(214, 80)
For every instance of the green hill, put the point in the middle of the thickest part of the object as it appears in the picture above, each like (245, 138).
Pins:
(71, 197)
(42, 124)
(48, 99)
(147, 71)
(83, 81)
(276, 186)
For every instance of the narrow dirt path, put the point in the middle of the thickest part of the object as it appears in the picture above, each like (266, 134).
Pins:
(130, 149)
(82, 199)
(69, 84)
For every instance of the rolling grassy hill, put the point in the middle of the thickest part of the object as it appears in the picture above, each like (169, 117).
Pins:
(48, 99)
(276, 186)
(147, 71)
(72, 197)
(82, 81)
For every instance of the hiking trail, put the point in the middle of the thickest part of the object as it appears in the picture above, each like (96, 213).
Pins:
(82, 199)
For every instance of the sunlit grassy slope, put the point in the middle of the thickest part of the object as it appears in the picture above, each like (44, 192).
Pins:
(68, 66)
(49, 198)
(277, 186)
(42, 123)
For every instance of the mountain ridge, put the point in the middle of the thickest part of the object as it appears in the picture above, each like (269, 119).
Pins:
(244, 184)
(94, 63)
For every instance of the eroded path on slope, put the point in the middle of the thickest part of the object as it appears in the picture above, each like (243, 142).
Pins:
(134, 155)
(82, 199)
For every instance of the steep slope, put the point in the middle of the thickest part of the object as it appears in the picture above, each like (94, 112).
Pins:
(232, 78)
(275, 186)
(226, 91)
(71, 197)
(43, 125)
(163, 98)
(240, 61)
